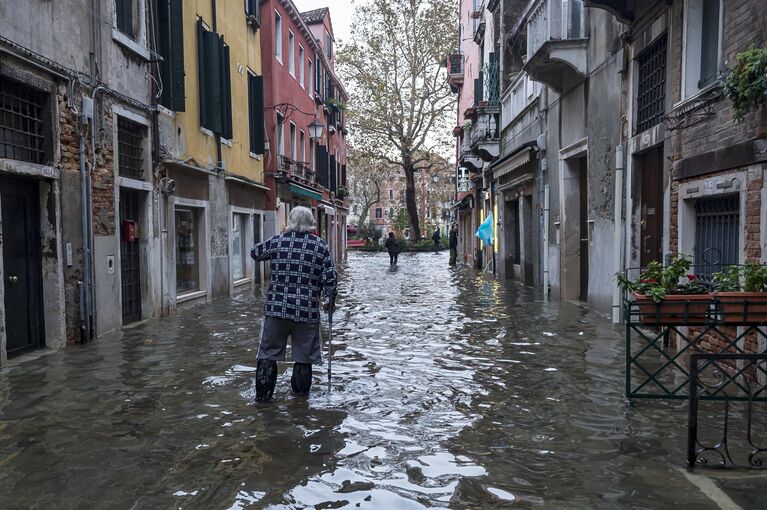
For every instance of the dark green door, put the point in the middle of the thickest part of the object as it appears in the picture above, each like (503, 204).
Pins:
(21, 265)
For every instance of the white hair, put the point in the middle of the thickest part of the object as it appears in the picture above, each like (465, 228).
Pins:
(301, 219)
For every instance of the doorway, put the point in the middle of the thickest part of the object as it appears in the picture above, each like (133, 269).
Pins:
(22, 275)
(512, 239)
(130, 255)
(527, 239)
(584, 227)
(651, 203)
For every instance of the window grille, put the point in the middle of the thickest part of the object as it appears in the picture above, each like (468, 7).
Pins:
(716, 233)
(651, 97)
(130, 148)
(22, 126)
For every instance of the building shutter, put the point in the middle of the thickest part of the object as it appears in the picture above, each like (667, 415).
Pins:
(343, 175)
(322, 166)
(478, 88)
(333, 175)
(256, 117)
(226, 92)
(171, 31)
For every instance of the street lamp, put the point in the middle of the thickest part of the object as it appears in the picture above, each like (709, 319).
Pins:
(315, 130)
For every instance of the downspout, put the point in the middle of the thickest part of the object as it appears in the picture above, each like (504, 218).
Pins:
(156, 91)
(85, 296)
(546, 241)
(89, 211)
(617, 237)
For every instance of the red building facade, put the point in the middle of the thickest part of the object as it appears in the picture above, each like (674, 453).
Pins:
(305, 161)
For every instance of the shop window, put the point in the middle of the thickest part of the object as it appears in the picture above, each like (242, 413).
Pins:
(187, 251)
(130, 148)
(239, 221)
(23, 120)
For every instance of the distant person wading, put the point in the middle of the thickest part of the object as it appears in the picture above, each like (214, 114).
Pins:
(301, 267)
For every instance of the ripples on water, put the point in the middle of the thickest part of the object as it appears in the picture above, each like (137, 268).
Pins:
(449, 389)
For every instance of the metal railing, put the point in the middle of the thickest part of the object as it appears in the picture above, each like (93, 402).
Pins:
(455, 65)
(293, 168)
(731, 378)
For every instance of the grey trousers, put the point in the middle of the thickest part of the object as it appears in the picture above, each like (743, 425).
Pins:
(305, 340)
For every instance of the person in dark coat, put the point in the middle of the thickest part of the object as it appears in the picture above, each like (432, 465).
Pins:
(392, 246)
(436, 237)
(452, 243)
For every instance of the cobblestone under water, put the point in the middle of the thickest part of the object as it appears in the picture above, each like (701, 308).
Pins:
(449, 389)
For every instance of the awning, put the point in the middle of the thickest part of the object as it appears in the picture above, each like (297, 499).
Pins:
(514, 162)
(306, 192)
(330, 211)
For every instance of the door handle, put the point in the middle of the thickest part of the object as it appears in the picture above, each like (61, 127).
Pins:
(13, 279)
(644, 243)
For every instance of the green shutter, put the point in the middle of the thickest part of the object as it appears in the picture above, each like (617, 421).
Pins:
(211, 80)
(171, 35)
(203, 74)
(226, 93)
(256, 113)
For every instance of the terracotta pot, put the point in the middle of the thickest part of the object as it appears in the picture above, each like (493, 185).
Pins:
(675, 309)
(742, 307)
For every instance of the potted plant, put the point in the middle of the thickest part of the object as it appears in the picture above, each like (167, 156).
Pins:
(741, 294)
(746, 83)
(341, 193)
(669, 294)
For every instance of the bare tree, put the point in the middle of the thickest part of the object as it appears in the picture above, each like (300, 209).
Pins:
(394, 64)
(365, 182)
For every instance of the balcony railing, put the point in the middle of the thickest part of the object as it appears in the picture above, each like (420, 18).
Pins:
(455, 70)
(553, 20)
(291, 168)
(521, 93)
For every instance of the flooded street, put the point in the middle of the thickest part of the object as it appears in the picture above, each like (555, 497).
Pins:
(449, 389)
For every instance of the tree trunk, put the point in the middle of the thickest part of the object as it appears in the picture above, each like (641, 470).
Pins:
(412, 207)
(363, 216)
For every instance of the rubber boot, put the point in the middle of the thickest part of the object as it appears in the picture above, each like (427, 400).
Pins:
(266, 379)
(301, 381)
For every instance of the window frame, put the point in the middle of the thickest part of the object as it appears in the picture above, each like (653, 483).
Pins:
(278, 49)
(311, 78)
(291, 53)
(302, 65)
(684, 93)
(279, 139)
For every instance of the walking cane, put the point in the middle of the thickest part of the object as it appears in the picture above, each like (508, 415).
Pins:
(331, 306)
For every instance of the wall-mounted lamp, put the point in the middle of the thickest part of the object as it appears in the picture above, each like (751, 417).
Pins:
(315, 130)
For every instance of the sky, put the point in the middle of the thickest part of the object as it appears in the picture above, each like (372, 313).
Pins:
(341, 12)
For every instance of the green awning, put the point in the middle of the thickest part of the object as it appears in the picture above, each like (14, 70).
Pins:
(300, 190)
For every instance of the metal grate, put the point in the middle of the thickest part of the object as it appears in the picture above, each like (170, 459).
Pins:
(22, 126)
(130, 259)
(651, 97)
(716, 233)
(130, 148)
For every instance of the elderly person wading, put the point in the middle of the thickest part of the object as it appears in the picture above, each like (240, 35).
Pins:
(300, 268)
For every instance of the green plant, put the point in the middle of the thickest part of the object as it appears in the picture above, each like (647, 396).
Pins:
(746, 84)
(748, 278)
(342, 192)
(657, 281)
(335, 102)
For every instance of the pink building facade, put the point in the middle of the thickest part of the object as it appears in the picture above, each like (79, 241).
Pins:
(306, 158)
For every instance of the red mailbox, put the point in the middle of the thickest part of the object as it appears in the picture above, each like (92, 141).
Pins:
(129, 231)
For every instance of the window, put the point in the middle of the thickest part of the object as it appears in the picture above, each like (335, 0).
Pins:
(170, 19)
(239, 221)
(311, 78)
(379, 213)
(716, 233)
(291, 54)
(318, 79)
(24, 117)
(130, 148)
(301, 64)
(280, 135)
(293, 149)
(278, 37)
(187, 251)
(253, 11)
(328, 45)
(215, 82)
(651, 96)
(702, 44)
(124, 15)
(391, 194)
(302, 145)
(256, 113)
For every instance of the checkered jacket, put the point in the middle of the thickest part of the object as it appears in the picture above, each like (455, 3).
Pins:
(300, 267)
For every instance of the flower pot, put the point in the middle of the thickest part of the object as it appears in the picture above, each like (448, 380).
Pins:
(742, 307)
(674, 309)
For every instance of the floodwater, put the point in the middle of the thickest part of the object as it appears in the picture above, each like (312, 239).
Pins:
(449, 389)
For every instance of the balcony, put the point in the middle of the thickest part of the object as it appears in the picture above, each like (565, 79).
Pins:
(300, 171)
(623, 10)
(522, 93)
(455, 70)
(484, 138)
(556, 46)
(466, 158)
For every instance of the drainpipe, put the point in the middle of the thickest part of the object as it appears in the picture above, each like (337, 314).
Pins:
(546, 241)
(85, 296)
(155, 70)
(617, 238)
(89, 211)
